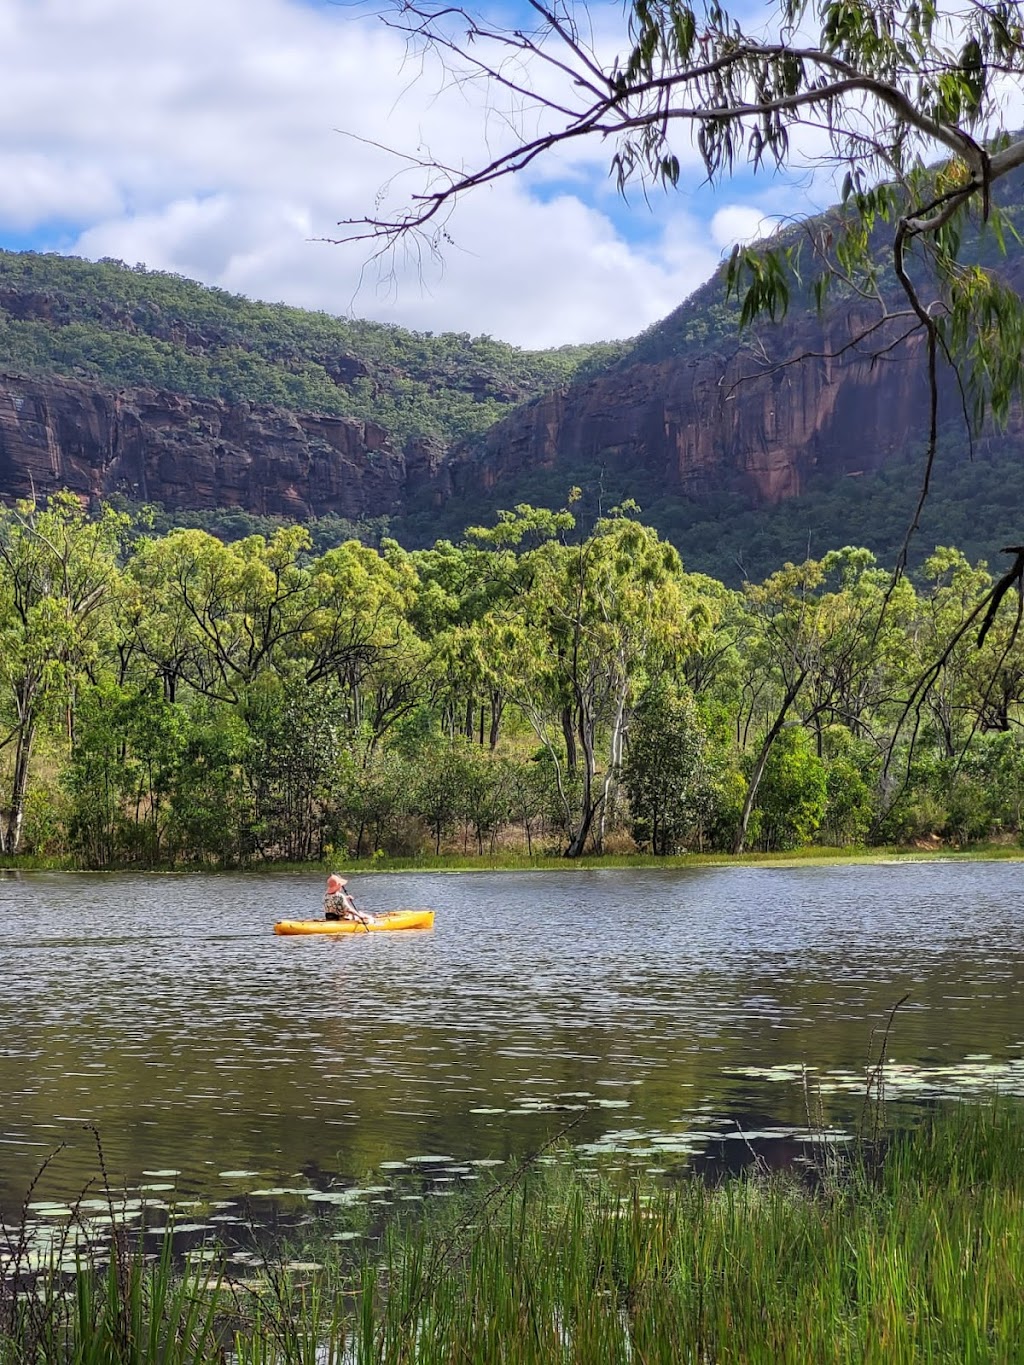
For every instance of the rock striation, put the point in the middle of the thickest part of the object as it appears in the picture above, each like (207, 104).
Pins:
(154, 446)
(740, 421)
(736, 421)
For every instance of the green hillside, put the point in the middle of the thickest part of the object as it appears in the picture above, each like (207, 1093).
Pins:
(976, 504)
(709, 320)
(119, 326)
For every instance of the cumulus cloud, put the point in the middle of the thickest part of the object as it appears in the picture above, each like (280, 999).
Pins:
(740, 223)
(204, 139)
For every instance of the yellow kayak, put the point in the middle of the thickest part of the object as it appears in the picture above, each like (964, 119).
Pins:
(391, 919)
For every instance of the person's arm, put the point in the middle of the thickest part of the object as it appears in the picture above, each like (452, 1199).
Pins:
(358, 914)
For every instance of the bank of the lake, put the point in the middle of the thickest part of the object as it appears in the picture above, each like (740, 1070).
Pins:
(913, 1251)
(811, 855)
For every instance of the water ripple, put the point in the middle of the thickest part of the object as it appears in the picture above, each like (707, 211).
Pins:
(162, 1009)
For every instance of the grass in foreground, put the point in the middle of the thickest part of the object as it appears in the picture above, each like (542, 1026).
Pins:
(918, 1256)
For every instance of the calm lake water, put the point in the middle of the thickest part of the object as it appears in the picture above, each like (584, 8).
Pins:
(162, 1010)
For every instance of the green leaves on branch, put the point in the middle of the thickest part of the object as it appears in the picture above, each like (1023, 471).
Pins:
(985, 325)
(761, 280)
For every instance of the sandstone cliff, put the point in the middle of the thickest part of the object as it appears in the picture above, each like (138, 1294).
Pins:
(735, 421)
(688, 426)
(197, 453)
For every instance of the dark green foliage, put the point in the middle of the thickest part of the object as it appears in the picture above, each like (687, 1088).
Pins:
(125, 775)
(792, 795)
(298, 766)
(377, 806)
(211, 817)
(119, 326)
(666, 771)
(178, 700)
(851, 772)
(445, 787)
(974, 503)
(972, 795)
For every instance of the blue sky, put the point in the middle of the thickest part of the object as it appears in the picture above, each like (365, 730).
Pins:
(210, 139)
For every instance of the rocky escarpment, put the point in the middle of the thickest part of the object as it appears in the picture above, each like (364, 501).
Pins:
(199, 453)
(736, 422)
(689, 426)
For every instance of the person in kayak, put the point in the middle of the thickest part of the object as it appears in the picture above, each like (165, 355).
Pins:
(338, 904)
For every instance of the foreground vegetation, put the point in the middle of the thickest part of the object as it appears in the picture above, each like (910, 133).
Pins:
(169, 700)
(914, 1253)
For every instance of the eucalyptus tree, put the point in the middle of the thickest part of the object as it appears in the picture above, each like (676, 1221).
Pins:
(57, 569)
(950, 601)
(124, 774)
(811, 648)
(666, 773)
(460, 586)
(969, 662)
(359, 635)
(297, 765)
(711, 667)
(861, 675)
(438, 795)
(594, 616)
(792, 794)
(215, 616)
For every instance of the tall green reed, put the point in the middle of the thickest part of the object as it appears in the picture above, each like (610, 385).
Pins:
(910, 1252)
(918, 1257)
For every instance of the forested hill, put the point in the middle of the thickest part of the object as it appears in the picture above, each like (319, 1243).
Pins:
(236, 415)
(121, 327)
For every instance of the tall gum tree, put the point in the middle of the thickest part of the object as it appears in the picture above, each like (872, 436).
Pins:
(965, 686)
(594, 616)
(59, 567)
(213, 615)
(359, 634)
(816, 650)
(462, 589)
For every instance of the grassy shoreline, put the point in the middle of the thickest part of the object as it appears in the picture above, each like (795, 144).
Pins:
(812, 856)
(910, 1251)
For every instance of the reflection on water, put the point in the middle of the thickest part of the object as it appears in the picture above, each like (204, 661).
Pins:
(164, 1011)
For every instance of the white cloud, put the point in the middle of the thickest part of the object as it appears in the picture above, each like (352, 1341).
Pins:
(203, 138)
(39, 186)
(741, 223)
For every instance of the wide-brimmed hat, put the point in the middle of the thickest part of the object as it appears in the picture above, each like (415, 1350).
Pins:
(335, 883)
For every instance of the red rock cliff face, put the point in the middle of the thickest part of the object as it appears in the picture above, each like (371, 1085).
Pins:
(194, 453)
(695, 426)
(721, 423)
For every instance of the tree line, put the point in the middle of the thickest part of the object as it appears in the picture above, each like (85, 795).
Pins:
(172, 699)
